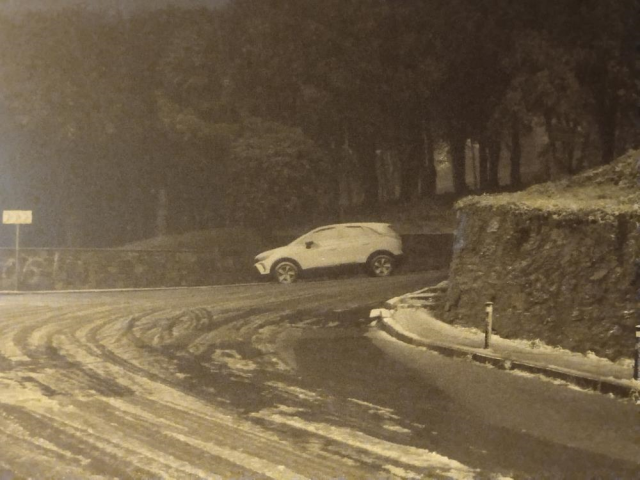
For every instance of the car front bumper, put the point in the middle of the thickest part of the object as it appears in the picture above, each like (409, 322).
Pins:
(261, 268)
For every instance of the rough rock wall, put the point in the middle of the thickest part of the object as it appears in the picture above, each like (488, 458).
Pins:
(563, 279)
(56, 269)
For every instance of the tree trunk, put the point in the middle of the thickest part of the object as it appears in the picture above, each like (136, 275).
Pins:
(494, 164)
(474, 165)
(516, 154)
(161, 212)
(607, 114)
(570, 150)
(411, 169)
(581, 161)
(428, 181)
(457, 143)
(608, 126)
(553, 158)
(367, 159)
(342, 187)
(483, 164)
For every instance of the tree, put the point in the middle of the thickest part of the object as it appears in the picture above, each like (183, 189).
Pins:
(572, 67)
(279, 176)
(411, 72)
(314, 66)
(65, 81)
(193, 98)
(91, 89)
(473, 38)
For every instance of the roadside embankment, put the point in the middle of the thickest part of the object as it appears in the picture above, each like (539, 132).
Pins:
(557, 260)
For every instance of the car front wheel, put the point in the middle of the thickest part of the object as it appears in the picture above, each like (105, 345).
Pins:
(381, 265)
(286, 272)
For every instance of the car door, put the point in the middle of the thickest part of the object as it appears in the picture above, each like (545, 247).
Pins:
(357, 244)
(320, 248)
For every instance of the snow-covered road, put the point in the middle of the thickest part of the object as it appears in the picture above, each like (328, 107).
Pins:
(270, 381)
(177, 384)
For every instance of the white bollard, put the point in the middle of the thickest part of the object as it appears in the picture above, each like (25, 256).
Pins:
(488, 308)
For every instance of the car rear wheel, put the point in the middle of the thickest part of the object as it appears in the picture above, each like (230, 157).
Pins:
(381, 265)
(286, 272)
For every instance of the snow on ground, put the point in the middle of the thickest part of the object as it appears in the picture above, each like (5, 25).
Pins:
(296, 392)
(410, 457)
(422, 324)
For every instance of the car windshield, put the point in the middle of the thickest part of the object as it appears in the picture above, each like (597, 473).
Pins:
(301, 240)
(324, 233)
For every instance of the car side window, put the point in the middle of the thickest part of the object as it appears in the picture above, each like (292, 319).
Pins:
(324, 235)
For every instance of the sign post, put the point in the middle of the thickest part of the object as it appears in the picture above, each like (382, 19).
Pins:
(17, 218)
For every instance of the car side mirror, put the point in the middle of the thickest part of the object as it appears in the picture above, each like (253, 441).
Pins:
(309, 244)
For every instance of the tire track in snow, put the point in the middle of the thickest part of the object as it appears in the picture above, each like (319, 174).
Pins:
(107, 397)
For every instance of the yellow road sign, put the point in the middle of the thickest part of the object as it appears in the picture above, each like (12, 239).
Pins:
(17, 217)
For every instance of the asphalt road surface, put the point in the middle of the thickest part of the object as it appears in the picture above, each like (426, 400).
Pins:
(282, 382)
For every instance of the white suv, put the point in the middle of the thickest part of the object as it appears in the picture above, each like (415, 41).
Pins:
(374, 245)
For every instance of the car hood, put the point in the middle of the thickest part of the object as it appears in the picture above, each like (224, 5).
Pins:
(264, 255)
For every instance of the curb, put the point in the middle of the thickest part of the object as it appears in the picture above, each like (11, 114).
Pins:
(154, 289)
(116, 290)
(424, 294)
(588, 382)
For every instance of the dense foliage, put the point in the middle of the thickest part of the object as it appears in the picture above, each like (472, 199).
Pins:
(281, 109)
(277, 174)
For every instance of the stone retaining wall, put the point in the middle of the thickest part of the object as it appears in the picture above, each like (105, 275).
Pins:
(61, 269)
(564, 279)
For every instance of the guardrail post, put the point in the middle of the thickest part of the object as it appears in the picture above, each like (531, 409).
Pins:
(488, 308)
(636, 367)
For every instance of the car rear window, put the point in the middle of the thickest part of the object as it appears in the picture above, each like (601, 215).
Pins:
(384, 229)
(354, 232)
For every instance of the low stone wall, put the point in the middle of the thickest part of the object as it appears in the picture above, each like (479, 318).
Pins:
(64, 269)
(61, 269)
(564, 279)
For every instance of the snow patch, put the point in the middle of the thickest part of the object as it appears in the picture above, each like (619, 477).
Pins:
(410, 456)
(264, 467)
(296, 391)
(395, 428)
(233, 360)
(401, 472)
(376, 409)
